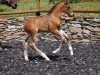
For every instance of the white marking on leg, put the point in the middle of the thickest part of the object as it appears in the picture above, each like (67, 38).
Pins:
(42, 54)
(26, 57)
(71, 49)
(45, 56)
(58, 49)
(26, 53)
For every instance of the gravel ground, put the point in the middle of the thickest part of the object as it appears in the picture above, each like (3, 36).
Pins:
(86, 60)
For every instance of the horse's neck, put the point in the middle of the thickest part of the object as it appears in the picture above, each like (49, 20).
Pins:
(56, 12)
(56, 16)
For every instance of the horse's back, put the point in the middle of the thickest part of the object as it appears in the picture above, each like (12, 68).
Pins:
(39, 22)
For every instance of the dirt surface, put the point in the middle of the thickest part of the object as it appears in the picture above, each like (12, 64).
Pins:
(86, 60)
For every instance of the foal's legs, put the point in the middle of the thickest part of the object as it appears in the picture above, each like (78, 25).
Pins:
(63, 36)
(33, 46)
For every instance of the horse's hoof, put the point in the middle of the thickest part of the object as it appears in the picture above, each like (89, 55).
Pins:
(48, 61)
(71, 53)
(26, 59)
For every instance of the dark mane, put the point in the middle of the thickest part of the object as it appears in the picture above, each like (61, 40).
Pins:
(53, 8)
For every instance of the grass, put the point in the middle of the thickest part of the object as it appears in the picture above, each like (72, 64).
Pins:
(24, 5)
(87, 6)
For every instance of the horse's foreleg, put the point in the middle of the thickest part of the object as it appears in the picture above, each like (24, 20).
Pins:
(58, 49)
(69, 43)
(56, 32)
(33, 46)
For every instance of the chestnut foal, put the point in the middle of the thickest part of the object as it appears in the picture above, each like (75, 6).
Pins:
(50, 22)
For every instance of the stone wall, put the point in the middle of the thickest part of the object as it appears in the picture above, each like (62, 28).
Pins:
(79, 29)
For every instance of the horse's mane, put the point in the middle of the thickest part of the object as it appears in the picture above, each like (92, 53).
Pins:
(53, 8)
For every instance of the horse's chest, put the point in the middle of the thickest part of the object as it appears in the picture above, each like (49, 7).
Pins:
(57, 21)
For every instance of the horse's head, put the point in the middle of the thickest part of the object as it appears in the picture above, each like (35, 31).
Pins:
(12, 3)
(66, 8)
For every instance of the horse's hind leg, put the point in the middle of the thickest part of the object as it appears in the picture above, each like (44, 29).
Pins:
(33, 46)
(25, 48)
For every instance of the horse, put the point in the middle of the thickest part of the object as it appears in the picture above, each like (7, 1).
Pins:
(50, 22)
(11, 3)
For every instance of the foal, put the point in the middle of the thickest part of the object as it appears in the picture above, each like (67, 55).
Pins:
(50, 22)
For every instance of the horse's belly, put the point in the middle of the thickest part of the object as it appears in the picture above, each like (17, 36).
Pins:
(43, 27)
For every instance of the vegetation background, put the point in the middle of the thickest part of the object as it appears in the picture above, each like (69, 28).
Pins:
(24, 5)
